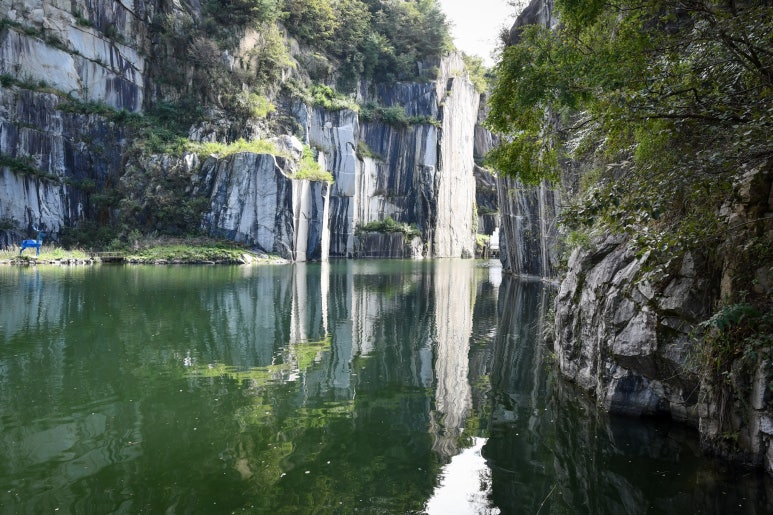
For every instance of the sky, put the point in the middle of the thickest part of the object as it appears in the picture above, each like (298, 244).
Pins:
(476, 24)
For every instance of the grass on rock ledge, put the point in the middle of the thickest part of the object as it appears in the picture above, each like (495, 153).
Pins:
(193, 250)
(187, 254)
(48, 254)
(149, 251)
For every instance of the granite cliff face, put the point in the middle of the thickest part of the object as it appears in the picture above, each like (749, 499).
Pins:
(72, 73)
(647, 337)
(55, 158)
(632, 335)
(417, 174)
(528, 233)
(420, 174)
(52, 42)
(529, 238)
(254, 201)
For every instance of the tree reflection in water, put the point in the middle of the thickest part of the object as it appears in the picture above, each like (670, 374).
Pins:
(364, 386)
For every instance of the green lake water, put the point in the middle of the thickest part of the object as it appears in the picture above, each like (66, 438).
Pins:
(349, 387)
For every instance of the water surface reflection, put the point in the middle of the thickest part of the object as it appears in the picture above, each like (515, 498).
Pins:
(550, 451)
(372, 386)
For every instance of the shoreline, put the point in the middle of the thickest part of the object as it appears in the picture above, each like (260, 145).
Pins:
(31, 261)
(174, 254)
(163, 250)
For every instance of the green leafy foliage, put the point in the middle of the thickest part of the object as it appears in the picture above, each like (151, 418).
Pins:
(676, 96)
(8, 223)
(221, 150)
(89, 234)
(153, 196)
(667, 103)
(253, 105)
(363, 151)
(738, 338)
(192, 251)
(242, 12)
(176, 116)
(388, 225)
(394, 116)
(20, 165)
(731, 316)
(312, 21)
(482, 240)
(648, 77)
(478, 73)
(309, 169)
(327, 97)
(381, 40)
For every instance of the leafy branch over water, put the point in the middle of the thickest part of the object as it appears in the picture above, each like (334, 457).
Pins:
(667, 100)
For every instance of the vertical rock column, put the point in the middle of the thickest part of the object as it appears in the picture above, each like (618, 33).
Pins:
(455, 182)
(311, 237)
(337, 134)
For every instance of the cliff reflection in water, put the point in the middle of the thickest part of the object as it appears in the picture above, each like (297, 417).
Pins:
(351, 386)
(326, 386)
(454, 298)
(551, 450)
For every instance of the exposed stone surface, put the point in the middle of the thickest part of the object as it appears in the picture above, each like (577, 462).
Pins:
(528, 236)
(624, 346)
(387, 246)
(254, 201)
(75, 58)
(632, 338)
(337, 133)
(34, 131)
(538, 12)
(58, 52)
(630, 333)
(417, 174)
(486, 200)
(736, 413)
(33, 201)
(455, 180)
(528, 241)
(43, 47)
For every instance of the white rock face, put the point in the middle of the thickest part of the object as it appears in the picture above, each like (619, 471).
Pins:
(75, 59)
(337, 134)
(32, 201)
(35, 132)
(455, 180)
(253, 201)
(416, 174)
(311, 207)
(612, 343)
(249, 195)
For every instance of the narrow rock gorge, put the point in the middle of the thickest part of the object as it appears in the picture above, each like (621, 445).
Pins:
(148, 117)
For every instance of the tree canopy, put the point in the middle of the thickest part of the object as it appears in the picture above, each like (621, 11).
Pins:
(382, 40)
(676, 96)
